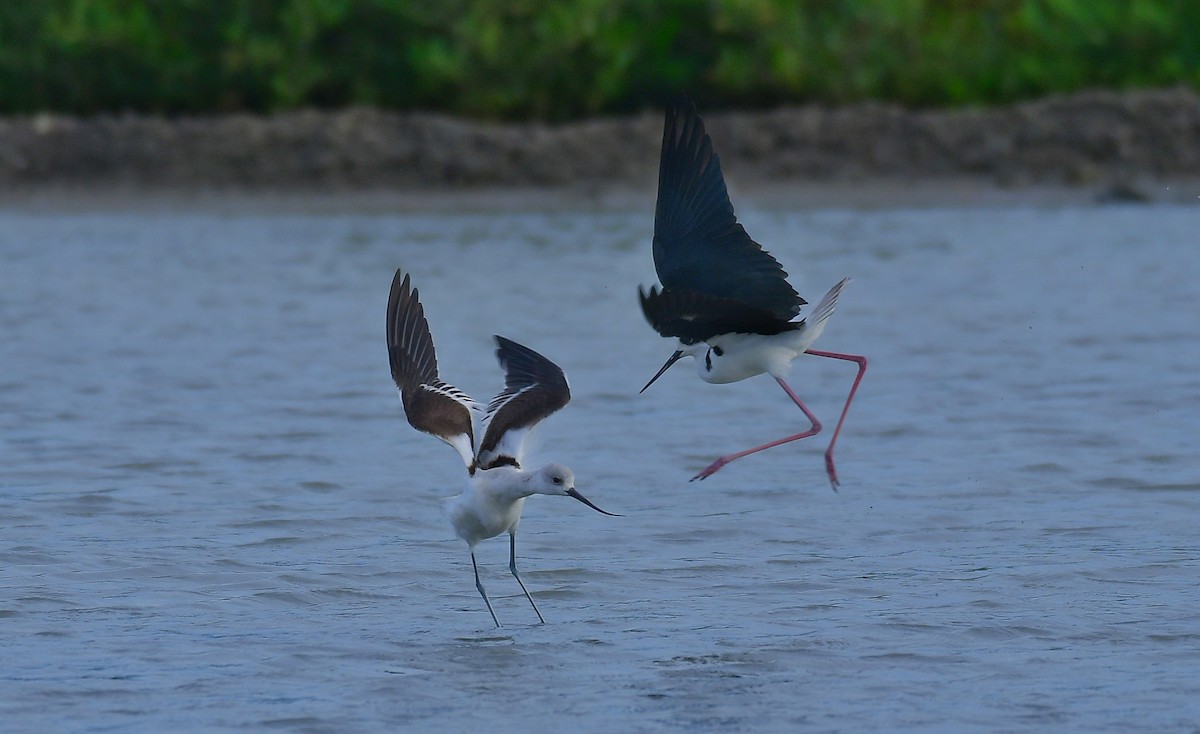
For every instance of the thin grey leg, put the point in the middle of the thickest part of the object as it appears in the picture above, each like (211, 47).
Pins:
(479, 585)
(512, 566)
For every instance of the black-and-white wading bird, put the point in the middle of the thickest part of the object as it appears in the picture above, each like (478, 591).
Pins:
(497, 483)
(724, 297)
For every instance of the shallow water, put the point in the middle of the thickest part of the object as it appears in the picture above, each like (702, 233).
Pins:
(216, 518)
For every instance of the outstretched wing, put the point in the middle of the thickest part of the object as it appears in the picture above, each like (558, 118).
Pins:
(693, 317)
(699, 245)
(534, 387)
(430, 405)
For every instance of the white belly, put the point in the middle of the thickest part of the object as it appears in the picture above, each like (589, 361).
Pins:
(733, 357)
(745, 355)
(476, 517)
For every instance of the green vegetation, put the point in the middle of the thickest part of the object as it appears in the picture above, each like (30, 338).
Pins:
(558, 59)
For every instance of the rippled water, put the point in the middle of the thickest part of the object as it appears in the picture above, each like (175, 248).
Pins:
(215, 517)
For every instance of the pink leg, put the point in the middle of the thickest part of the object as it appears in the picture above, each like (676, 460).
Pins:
(862, 370)
(814, 430)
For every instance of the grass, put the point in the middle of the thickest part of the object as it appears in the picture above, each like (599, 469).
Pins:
(519, 59)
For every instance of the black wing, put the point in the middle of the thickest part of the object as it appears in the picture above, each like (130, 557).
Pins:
(534, 387)
(699, 245)
(693, 317)
(430, 405)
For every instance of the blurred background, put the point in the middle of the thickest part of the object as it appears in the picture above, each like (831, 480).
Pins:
(525, 59)
(400, 94)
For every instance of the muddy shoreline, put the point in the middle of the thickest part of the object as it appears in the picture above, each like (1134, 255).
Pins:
(1100, 145)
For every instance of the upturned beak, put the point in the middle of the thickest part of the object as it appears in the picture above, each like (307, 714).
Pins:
(672, 360)
(572, 493)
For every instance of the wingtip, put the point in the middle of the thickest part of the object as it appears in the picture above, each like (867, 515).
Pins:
(402, 291)
(682, 102)
(411, 352)
(505, 348)
(395, 294)
(401, 281)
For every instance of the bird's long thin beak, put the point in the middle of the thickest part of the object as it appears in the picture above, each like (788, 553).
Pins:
(572, 493)
(672, 360)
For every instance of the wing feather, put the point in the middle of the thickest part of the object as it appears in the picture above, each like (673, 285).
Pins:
(534, 388)
(693, 317)
(431, 405)
(699, 245)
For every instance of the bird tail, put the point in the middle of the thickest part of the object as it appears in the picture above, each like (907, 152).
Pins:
(814, 323)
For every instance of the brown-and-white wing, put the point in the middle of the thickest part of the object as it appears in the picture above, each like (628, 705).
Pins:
(534, 388)
(430, 404)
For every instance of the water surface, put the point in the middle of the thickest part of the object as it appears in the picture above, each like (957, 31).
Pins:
(215, 517)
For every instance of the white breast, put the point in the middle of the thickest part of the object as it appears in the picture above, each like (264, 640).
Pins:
(488, 507)
(735, 357)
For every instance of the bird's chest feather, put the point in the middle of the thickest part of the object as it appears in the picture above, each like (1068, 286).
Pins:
(479, 515)
(740, 356)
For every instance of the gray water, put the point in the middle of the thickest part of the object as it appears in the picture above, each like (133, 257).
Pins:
(214, 516)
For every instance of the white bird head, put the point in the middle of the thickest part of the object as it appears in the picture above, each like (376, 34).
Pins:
(556, 479)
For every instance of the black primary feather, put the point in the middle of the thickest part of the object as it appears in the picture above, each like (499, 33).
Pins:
(699, 246)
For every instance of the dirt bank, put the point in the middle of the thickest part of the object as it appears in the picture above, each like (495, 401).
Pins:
(1108, 139)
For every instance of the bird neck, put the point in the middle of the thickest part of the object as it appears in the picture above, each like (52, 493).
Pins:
(508, 483)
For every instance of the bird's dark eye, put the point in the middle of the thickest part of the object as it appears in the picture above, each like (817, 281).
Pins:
(718, 351)
(558, 480)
